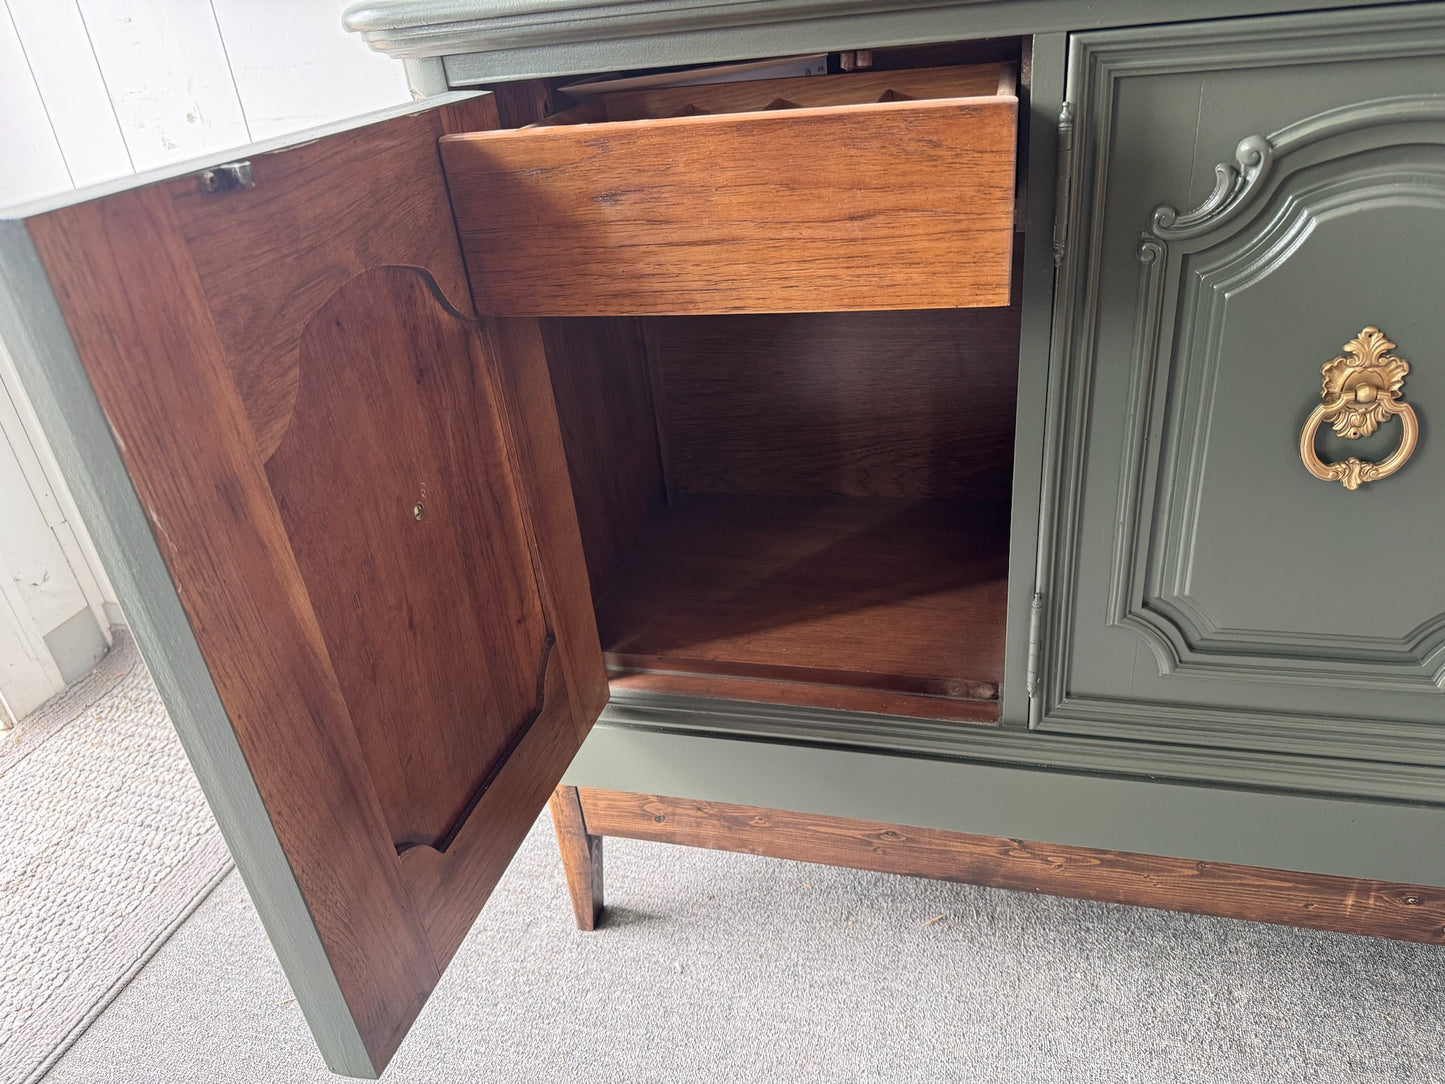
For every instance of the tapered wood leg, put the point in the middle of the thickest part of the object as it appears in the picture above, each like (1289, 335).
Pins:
(581, 857)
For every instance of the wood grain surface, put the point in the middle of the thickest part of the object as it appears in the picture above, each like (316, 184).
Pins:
(581, 857)
(432, 616)
(603, 389)
(529, 416)
(449, 887)
(267, 257)
(807, 689)
(890, 596)
(311, 588)
(799, 92)
(1308, 900)
(125, 279)
(866, 404)
(898, 205)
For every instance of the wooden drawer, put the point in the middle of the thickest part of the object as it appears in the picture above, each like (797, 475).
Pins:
(904, 200)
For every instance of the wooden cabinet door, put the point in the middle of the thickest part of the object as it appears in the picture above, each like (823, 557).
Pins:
(1204, 591)
(384, 654)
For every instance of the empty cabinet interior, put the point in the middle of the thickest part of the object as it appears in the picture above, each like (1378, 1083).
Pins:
(786, 387)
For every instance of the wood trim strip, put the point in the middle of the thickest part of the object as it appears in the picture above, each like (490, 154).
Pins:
(1307, 900)
(886, 682)
(812, 694)
(793, 92)
(523, 386)
(529, 413)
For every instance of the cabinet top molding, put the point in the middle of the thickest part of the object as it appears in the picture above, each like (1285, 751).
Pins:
(497, 40)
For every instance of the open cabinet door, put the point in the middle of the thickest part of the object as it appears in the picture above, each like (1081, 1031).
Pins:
(384, 655)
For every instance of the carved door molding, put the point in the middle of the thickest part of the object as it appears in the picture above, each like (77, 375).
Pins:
(1143, 304)
(1263, 207)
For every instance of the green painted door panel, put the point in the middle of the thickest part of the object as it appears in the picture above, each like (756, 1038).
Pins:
(1201, 586)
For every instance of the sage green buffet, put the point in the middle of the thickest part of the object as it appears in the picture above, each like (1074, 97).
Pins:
(1135, 577)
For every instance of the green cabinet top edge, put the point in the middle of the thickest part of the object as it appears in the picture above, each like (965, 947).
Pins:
(517, 39)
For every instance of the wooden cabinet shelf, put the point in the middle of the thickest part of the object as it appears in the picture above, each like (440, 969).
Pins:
(889, 606)
(805, 509)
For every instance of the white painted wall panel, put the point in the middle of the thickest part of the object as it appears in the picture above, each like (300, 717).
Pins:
(57, 46)
(31, 164)
(29, 550)
(47, 487)
(95, 89)
(295, 67)
(28, 675)
(169, 80)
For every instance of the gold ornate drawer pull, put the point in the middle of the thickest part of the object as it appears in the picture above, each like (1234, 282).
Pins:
(1360, 391)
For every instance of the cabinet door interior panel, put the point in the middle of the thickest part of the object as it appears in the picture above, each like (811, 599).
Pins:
(128, 287)
(896, 205)
(411, 539)
(353, 517)
(262, 295)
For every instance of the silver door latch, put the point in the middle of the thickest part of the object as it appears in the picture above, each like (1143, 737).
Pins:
(227, 177)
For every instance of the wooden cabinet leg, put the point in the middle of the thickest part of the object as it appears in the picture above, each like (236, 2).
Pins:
(581, 857)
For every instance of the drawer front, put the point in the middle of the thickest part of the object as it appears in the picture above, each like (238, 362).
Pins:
(1220, 574)
(903, 204)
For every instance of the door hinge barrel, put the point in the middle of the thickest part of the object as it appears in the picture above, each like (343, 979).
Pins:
(1036, 623)
(1063, 181)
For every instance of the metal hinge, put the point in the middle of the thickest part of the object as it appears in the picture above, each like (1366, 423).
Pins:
(227, 177)
(1063, 180)
(1036, 631)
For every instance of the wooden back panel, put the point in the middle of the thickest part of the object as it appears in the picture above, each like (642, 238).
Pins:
(602, 384)
(898, 205)
(867, 404)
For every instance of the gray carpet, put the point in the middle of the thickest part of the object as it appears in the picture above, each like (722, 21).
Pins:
(719, 967)
(105, 844)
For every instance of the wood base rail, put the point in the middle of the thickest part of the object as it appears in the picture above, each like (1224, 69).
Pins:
(1308, 900)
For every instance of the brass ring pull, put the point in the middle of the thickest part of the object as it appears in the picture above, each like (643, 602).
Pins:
(1360, 391)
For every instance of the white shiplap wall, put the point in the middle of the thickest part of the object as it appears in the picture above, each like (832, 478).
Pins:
(92, 90)
(96, 89)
